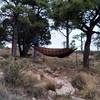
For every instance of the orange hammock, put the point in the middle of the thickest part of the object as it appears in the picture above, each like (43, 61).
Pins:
(55, 52)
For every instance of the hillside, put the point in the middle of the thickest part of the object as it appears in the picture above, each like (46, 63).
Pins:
(47, 78)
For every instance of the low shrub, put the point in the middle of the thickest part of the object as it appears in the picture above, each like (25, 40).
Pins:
(11, 70)
(97, 56)
(29, 86)
(85, 84)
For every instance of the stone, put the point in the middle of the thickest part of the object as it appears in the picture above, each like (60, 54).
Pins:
(51, 93)
(2, 77)
(76, 98)
(65, 87)
(48, 70)
(33, 98)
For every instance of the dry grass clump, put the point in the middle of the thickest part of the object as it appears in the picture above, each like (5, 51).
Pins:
(14, 77)
(46, 84)
(28, 81)
(16, 74)
(11, 69)
(5, 52)
(62, 98)
(3, 92)
(86, 85)
(36, 84)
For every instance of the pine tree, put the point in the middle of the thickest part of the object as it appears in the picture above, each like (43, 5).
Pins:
(83, 15)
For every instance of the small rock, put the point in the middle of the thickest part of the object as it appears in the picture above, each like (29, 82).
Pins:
(51, 93)
(33, 98)
(77, 98)
(1, 77)
(48, 70)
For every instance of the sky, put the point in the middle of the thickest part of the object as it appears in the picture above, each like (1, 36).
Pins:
(57, 40)
(0, 1)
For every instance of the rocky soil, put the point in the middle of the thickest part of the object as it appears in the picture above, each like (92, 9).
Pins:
(51, 80)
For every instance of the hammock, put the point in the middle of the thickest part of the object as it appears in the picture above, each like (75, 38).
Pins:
(55, 52)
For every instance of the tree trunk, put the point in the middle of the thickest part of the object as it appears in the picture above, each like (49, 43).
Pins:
(14, 45)
(67, 39)
(19, 46)
(14, 38)
(35, 52)
(20, 50)
(81, 43)
(87, 51)
(23, 49)
(67, 35)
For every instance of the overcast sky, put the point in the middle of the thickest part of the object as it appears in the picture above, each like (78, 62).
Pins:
(57, 40)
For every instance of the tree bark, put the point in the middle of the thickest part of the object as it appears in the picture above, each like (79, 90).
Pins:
(14, 38)
(87, 51)
(19, 46)
(23, 52)
(35, 52)
(67, 35)
(67, 39)
(23, 49)
(14, 45)
(81, 43)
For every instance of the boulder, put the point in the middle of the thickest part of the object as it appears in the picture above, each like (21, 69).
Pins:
(64, 87)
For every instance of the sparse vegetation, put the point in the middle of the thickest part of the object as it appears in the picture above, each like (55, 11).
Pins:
(12, 71)
(20, 72)
(62, 98)
(85, 84)
(28, 84)
(97, 56)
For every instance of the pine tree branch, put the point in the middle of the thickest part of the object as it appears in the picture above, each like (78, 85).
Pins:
(6, 1)
(1, 14)
(96, 32)
(62, 32)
